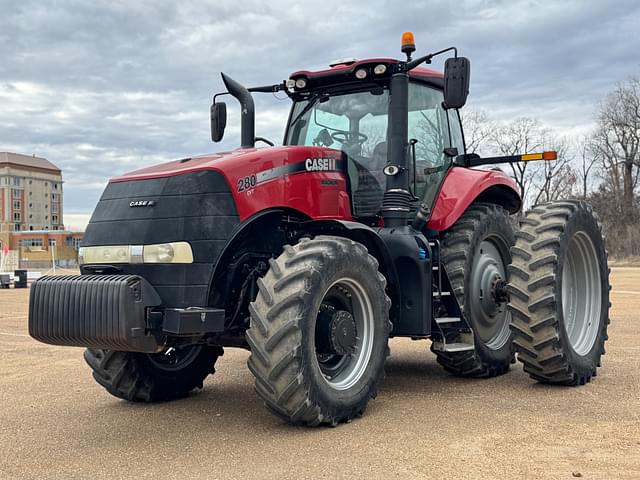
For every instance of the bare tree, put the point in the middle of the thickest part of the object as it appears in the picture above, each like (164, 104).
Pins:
(617, 145)
(524, 135)
(587, 160)
(478, 129)
(557, 178)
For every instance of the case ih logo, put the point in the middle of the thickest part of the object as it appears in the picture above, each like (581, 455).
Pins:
(142, 203)
(320, 164)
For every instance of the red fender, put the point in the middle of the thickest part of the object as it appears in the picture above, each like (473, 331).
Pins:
(462, 186)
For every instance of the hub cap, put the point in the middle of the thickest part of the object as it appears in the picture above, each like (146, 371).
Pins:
(175, 358)
(581, 294)
(344, 334)
(488, 299)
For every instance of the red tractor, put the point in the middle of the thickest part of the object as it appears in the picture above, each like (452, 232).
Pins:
(368, 223)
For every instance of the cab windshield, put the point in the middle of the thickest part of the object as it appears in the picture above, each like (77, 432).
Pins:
(356, 123)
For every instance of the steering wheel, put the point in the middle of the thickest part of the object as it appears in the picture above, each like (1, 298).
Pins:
(343, 137)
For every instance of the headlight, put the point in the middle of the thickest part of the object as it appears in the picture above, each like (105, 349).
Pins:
(175, 252)
(116, 254)
(301, 83)
(380, 69)
(361, 74)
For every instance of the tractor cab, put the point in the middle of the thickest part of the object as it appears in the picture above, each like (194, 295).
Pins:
(347, 108)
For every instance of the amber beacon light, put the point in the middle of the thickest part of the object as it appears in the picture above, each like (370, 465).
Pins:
(408, 44)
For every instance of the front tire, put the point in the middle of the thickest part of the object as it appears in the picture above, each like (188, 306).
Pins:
(141, 377)
(559, 289)
(319, 331)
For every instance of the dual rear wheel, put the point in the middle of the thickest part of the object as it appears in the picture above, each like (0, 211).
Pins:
(557, 309)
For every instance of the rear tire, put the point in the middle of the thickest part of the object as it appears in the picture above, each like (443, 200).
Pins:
(559, 293)
(474, 251)
(319, 296)
(141, 377)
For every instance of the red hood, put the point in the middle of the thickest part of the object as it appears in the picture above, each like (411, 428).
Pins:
(227, 161)
(267, 178)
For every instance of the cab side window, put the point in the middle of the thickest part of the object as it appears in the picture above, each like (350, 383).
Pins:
(457, 140)
(429, 126)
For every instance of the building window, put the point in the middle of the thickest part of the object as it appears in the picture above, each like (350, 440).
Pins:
(54, 208)
(16, 204)
(52, 242)
(16, 227)
(54, 219)
(31, 242)
(16, 216)
(55, 185)
(16, 181)
(16, 194)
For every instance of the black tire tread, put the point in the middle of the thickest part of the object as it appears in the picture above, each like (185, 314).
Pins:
(277, 343)
(130, 376)
(535, 325)
(456, 246)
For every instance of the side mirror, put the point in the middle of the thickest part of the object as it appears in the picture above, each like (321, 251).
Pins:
(456, 82)
(218, 120)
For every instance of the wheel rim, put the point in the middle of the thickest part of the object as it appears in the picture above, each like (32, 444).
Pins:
(175, 358)
(345, 297)
(488, 305)
(581, 293)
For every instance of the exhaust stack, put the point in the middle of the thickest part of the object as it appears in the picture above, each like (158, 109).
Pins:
(247, 111)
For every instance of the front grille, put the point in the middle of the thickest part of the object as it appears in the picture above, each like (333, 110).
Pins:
(196, 207)
(99, 311)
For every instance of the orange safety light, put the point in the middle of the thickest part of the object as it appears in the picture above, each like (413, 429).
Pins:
(549, 155)
(408, 44)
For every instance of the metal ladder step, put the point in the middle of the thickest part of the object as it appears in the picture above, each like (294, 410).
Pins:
(445, 320)
(452, 347)
(441, 294)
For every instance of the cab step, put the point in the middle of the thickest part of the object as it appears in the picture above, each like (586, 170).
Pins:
(453, 347)
(446, 320)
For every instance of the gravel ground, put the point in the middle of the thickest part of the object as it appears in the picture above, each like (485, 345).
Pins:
(55, 422)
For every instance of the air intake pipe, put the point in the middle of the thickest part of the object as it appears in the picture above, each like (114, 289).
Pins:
(396, 202)
(247, 111)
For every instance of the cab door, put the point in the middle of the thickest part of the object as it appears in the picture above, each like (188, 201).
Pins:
(433, 130)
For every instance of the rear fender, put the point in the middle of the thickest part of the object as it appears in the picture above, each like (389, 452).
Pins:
(464, 186)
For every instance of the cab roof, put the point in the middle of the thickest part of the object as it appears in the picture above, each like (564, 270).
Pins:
(346, 70)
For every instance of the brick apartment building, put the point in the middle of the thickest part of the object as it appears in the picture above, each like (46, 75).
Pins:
(30, 193)
(31, 221)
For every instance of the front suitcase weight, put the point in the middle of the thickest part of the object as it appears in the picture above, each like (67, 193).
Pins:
(97, 311)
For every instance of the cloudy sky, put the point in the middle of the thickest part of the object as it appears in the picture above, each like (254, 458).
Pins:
(103, 87)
